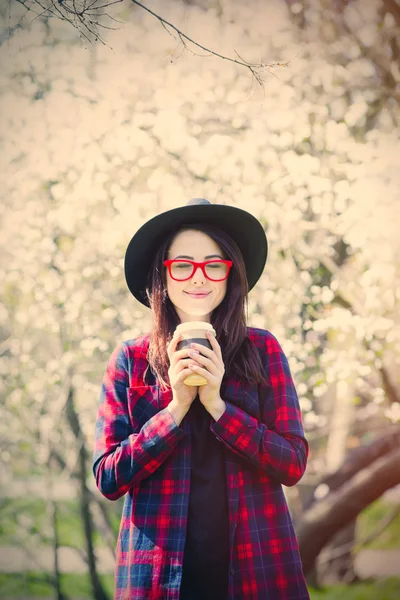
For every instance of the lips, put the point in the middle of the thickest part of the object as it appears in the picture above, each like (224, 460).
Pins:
(197, 295)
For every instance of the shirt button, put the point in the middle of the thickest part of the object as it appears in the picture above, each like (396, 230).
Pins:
(232, 571)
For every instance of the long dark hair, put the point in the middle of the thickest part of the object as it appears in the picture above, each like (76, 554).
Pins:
(241, 358)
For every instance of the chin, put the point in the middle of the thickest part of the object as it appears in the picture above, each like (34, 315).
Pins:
(198, 313)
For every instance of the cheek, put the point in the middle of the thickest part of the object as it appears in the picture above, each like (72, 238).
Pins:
(221, 292)
(173, 288)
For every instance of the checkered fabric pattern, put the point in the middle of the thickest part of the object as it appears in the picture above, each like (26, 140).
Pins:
(141, 453)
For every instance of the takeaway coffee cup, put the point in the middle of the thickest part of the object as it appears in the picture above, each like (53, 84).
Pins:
(194, 332)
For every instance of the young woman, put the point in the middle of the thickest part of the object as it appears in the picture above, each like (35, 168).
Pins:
(201, 468)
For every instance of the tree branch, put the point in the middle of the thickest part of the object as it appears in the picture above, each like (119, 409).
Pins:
(363, 457)
(254, 68)
(326, 517)
(82, 17)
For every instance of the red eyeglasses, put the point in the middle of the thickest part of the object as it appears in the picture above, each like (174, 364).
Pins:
(182, 270)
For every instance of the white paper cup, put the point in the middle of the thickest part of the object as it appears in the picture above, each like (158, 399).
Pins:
(194, 332)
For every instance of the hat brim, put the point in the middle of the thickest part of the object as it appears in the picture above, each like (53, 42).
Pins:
(240, 225)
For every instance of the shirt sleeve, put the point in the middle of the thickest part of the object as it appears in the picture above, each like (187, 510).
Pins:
(276, 444)
(122, 458)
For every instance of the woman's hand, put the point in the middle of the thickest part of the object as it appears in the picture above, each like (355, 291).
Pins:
(182, 394)
(210, 365)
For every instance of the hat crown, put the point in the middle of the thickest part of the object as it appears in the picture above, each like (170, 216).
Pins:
(195, 201)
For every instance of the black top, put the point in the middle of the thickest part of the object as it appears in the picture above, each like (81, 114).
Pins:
(206, 556)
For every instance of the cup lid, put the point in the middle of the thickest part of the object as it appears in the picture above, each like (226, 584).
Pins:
(189, 325)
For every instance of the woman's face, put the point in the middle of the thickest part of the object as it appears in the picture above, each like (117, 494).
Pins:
(196, 246)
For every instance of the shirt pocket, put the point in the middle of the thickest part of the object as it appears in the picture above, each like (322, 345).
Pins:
(143, 403)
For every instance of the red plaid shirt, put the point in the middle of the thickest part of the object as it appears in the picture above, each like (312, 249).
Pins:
(142, 453)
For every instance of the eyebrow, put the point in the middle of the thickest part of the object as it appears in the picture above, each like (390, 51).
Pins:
(205, 258)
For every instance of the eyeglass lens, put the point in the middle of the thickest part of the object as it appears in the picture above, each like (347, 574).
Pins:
(184, 270)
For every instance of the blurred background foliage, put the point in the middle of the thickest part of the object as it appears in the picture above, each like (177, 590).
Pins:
(97, 137)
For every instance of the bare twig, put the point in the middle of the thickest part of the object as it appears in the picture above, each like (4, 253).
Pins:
(79, 15)
(254, 68)
(82, 15)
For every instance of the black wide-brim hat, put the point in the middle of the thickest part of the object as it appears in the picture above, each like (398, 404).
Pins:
(240, 225)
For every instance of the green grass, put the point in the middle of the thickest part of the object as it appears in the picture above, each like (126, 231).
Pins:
(29, 517)
(28, 585)
(385, 589)
(389, 539)
(78, 587)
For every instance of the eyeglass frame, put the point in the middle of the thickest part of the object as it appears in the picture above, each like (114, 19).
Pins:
(196, 265)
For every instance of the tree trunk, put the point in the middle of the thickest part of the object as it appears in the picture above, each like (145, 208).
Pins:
(56, 546)
(104, 524)
(341, 568)
(326, 517)
(98, 590)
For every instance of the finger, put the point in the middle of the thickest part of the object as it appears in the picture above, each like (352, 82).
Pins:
(211, 379)
(177, 370)
(214, 344)
(183, 374)
(210, 354)
(171, 348)
(203, 350)
(182, 364)
(179, 355)
(206, 363)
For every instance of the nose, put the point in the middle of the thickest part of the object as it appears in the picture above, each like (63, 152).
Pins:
(198, 275)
